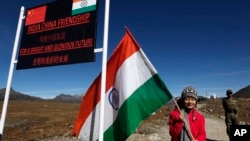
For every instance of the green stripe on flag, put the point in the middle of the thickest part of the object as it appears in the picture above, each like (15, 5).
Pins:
(143, 102)
(84, 9)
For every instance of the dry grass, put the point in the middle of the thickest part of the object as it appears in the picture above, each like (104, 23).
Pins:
(42, 120)
(214, 108)
(37, 120)
(210, 107)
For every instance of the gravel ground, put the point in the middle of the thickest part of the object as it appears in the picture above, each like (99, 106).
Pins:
(149, 131)
(215, 128)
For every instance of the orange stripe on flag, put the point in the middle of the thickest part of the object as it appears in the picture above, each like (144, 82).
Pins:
(35, 15)
(77, 1)
(124, 50)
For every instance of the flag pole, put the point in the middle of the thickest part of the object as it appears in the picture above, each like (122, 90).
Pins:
(185, 122)
(104, 68)
(12, 63)
(130, 34)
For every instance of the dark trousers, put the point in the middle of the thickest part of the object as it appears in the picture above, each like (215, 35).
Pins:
(230, 119)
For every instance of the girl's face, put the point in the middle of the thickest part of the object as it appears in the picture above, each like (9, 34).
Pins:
(189, 102)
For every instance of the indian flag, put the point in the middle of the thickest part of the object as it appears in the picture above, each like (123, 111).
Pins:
(134, 91)
(83, 6)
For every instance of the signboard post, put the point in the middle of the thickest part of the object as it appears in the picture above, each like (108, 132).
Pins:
(57, 33)
(12, 64)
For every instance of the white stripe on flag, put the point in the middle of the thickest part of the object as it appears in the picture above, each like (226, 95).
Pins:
(138, 73)
(77, 5)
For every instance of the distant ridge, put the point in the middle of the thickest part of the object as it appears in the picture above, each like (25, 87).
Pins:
(14, 95)
(68, 98)
(17, 95)
(243, 93)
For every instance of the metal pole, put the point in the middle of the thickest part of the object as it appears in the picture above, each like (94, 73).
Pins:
(12, 63)
(104, 67)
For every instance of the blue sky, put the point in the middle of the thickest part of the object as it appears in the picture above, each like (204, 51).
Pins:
(200, 43)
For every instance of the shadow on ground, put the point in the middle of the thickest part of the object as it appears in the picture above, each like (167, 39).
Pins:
(212, 140)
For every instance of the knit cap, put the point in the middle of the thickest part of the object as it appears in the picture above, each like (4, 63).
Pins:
(189, 92)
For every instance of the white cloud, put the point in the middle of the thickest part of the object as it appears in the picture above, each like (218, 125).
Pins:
(235, 73)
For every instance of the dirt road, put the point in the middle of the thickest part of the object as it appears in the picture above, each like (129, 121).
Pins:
(215, 128)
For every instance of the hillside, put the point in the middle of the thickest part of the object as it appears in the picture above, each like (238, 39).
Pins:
(243, 93)
(14, 95)
(53, 120)
(17, 95)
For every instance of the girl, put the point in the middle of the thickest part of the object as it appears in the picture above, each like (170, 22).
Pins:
(185, 122)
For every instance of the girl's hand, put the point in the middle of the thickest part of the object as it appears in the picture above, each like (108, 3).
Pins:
(181, 116)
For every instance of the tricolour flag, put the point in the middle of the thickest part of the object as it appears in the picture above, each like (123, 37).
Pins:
(35, 15)
(134, 90)
(83, 6)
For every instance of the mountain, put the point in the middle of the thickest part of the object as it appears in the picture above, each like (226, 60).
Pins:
(243, 93)
(17, 95)
(68, 98)
(14, 95)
